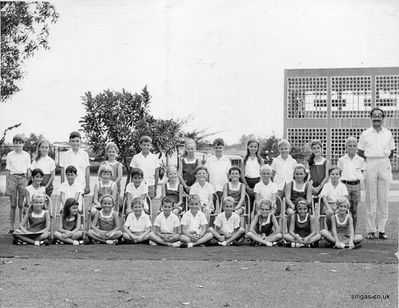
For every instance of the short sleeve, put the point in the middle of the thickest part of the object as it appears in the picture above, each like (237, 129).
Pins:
(184, 220)
(176, 222)
(340, 164)
(362, 142)
(62, 188)
(344, 190)
(52, 164)
(145, 189)
(157, 222)
(218, 221)
(86, 159)
(156, 161)
(128, 221)
(148, 223)
(324, 192)
(28, 161)
(129, 188)
(211, 189)
(274, 188)
(133, 163)
(8, 162)
(203, 220)
(257, 188)
(274, 164)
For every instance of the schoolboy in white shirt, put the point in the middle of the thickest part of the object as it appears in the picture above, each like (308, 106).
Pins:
(227, 225)
(137, 227)
(194, 224)
(218, 167)
(70, 188)
(352, 166)
(79, 159)
(265, 189)
(283, 166)
(17, 165)
(167, 226)
(149, 164)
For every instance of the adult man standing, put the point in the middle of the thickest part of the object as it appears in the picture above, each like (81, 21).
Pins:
(377, 146)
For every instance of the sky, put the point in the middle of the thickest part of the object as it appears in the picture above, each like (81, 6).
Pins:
(219, 63)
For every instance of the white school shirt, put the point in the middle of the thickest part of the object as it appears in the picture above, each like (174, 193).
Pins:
(31, 190)
(17, 162)
(334, 193)
(46, 164)
(147, 164)
(194, 223)
(80, 160)
(218, 170)
(70, 191)
(137, 192)
(252, 168)
(202, 191)
(284, 170)
(227, 225)
(167, 224)
(376, 144)
(265, 191)
(138, 225)
(351, 168)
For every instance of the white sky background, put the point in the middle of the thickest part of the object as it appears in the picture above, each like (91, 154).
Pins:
(220, 61)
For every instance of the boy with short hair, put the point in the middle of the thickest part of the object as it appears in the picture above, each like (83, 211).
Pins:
(70, 188)
(204, 191)
(227, 225)
(137, 227)
(17, 165)
(218, 166)
(167, 226)
(265, 189)
(283, 166)
(194, 224)
(352, 166)
(79, 159)
(149, 164)
(136, 189)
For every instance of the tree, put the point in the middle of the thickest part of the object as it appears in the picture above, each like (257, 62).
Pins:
(122, 117)
(24, 30)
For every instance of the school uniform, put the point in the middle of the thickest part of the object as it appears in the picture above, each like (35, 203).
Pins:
(303, 227)
(265, 227)
(317, 172)
(17, 164)
(333, 193)
(147, 164)
(188, 170)
(227, 225)
(343, 228)
(265, 191)
(138, 224)
(284, 169)
(218, 170)
(80, 160)
(352, 175)
(194, 223)
(203, 192)
(70, 191)
(107, 222)
(235, 193)
(47, 165)
(167, 224)
(137, 192)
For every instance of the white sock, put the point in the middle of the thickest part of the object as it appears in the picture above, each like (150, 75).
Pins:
(37, 243)
(190, 245)
(76, 243)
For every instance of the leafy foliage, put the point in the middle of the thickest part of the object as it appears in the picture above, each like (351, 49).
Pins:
(24, 29)
(115, 116)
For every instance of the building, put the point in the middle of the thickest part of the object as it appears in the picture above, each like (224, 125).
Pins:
(333, 104)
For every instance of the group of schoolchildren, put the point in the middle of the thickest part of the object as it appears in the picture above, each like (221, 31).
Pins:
(320, 200)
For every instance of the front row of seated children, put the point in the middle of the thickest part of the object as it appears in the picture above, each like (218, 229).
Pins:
(191, 231)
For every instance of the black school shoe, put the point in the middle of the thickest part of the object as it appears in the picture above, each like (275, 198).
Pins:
(371, 236)
(382, 236)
